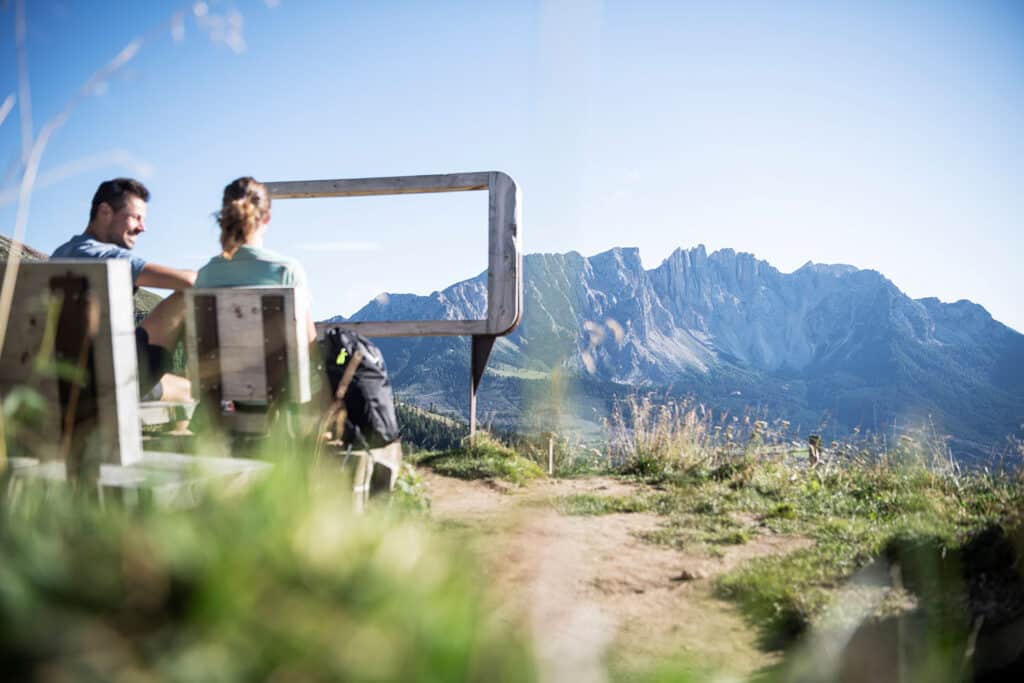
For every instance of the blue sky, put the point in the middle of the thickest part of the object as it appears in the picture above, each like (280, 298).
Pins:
(884, 135)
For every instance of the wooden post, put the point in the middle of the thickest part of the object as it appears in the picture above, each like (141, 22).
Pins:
(275, 349)
(76, 332)
(206, 383)
(814, 449)
(482, 344)
(275, 359)
(551, 455)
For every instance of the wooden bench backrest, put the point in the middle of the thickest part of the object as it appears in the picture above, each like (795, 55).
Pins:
(247, 344)
(55, 305)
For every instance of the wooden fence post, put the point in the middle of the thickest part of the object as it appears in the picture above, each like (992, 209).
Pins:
(814, 449)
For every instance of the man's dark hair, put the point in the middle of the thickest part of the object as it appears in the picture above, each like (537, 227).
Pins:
(115, 194)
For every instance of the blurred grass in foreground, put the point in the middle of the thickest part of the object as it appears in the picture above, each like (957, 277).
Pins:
(282, 583)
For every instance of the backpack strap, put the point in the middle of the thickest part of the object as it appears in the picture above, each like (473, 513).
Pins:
(338, 407)
(336, 414)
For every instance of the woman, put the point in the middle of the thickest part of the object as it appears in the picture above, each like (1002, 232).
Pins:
(243, 219)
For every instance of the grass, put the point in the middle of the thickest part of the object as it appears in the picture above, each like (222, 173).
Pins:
(850, 513)
(654, 440)
(723, 486)
(483, 458)
(853, 515)
(902, 509)
(410, 493)
(722, 483)
(282, 582)
(588, 504)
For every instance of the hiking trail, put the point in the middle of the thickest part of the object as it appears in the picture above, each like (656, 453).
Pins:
(591, 591)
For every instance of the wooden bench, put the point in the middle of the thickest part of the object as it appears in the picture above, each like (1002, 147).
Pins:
(250, 368)
(69, 363)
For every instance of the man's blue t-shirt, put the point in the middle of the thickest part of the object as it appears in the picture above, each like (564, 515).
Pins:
(83, 246)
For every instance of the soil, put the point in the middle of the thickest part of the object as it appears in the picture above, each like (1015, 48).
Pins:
(591, 591)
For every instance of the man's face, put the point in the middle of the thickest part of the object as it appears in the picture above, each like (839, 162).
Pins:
(124, 226)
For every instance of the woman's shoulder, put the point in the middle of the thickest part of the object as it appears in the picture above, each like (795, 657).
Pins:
(204, 274)
(269, 255)
(214, 260)
(290, 265)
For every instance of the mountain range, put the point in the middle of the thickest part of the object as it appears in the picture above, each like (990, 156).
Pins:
(828, 348)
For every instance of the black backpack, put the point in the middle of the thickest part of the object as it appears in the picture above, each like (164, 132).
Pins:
(369, 402)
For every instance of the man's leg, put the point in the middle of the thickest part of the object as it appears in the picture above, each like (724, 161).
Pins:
(163, 327)
(175, 388)
(165, 321)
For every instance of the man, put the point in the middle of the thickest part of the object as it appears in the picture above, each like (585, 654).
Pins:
(116, 219)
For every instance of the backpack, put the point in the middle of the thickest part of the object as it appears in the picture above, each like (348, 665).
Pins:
(369, 402)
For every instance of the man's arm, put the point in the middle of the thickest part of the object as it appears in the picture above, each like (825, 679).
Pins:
(162, 277)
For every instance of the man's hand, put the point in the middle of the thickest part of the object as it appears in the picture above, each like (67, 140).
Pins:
(162, 277)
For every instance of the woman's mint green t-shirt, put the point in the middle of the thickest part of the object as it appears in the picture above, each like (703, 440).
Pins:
(252, 267)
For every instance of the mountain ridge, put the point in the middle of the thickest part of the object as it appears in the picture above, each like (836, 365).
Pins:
(826, 339)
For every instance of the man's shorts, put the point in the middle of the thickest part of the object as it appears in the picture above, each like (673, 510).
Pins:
(154, 361)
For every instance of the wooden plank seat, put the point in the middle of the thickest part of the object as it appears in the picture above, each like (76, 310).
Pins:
(170, 479)
(154, 414)
(68, 368)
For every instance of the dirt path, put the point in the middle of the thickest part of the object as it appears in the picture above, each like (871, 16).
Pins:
(589, 587)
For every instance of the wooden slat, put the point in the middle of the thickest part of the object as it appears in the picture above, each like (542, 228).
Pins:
(240, 348)
(409, 328)
(505, 261)
(164, 412)
(243, 373)
(204, 346)
(162, 460)
(275, 347)
(365, 187)
(119, 381)
(77, 328)
(167, 478)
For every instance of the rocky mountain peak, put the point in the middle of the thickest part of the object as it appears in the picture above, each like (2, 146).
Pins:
(827, 341)
(835, 269)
